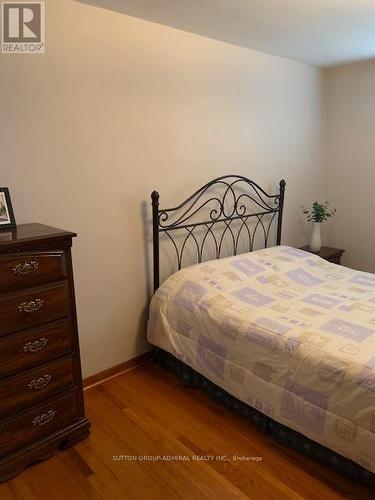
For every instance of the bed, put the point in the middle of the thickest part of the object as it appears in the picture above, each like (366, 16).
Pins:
(276, 333)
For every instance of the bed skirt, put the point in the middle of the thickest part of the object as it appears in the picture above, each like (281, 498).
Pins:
(283, 435)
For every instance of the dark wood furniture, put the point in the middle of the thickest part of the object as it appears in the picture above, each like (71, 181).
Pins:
(327, 253)
(41, 398)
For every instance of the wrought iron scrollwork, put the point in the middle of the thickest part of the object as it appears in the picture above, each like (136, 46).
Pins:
(227, 208)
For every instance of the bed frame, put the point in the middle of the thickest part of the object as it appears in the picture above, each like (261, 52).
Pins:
(232, 207)
(229, 206)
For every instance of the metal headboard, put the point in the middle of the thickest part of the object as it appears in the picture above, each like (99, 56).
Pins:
(225, 208)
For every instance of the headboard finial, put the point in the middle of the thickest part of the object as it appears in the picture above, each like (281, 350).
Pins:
(155, 197)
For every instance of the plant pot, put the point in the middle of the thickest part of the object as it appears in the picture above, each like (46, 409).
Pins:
(316, 239)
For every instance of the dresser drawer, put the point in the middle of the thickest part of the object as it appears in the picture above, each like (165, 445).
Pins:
(37, 306)
(24, 350)
(33, 385)
(40, 421)
(29, 269)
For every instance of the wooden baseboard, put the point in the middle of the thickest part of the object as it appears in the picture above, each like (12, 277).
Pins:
(117, 370)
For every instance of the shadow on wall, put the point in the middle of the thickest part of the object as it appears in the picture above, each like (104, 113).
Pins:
(193, 16)
(147, 247)
(180, 15)
(147, 254)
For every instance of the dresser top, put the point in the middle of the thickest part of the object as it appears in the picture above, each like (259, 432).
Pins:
(32, 233)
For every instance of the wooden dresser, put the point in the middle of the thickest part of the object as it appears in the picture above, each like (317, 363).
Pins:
(41, 399)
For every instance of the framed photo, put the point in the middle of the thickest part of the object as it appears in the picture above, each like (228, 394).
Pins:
(7, 219)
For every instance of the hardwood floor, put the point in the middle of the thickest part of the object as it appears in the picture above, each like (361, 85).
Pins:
(148, 412)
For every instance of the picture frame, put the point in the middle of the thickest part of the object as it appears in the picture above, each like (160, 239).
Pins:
(7, 219)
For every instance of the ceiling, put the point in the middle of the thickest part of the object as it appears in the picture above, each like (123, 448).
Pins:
(319, 32)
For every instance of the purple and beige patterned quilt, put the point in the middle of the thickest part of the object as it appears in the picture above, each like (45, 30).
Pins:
(284, 331)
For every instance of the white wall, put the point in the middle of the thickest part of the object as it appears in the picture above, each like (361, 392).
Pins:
(350, 160)
(118, 107)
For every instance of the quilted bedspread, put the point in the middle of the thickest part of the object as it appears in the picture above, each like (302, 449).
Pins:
(284, 331)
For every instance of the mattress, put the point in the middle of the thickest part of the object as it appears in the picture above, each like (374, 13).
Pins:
(285, 332)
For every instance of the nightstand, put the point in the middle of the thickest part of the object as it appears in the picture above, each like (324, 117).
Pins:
(327, 253)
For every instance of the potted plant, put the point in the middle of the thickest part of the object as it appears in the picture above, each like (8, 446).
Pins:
(319, 213)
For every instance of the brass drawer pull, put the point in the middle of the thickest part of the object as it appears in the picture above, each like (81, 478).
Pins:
(36, 345)
(26, 268)
(40, 382)
(45, 418)
(31, 307)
